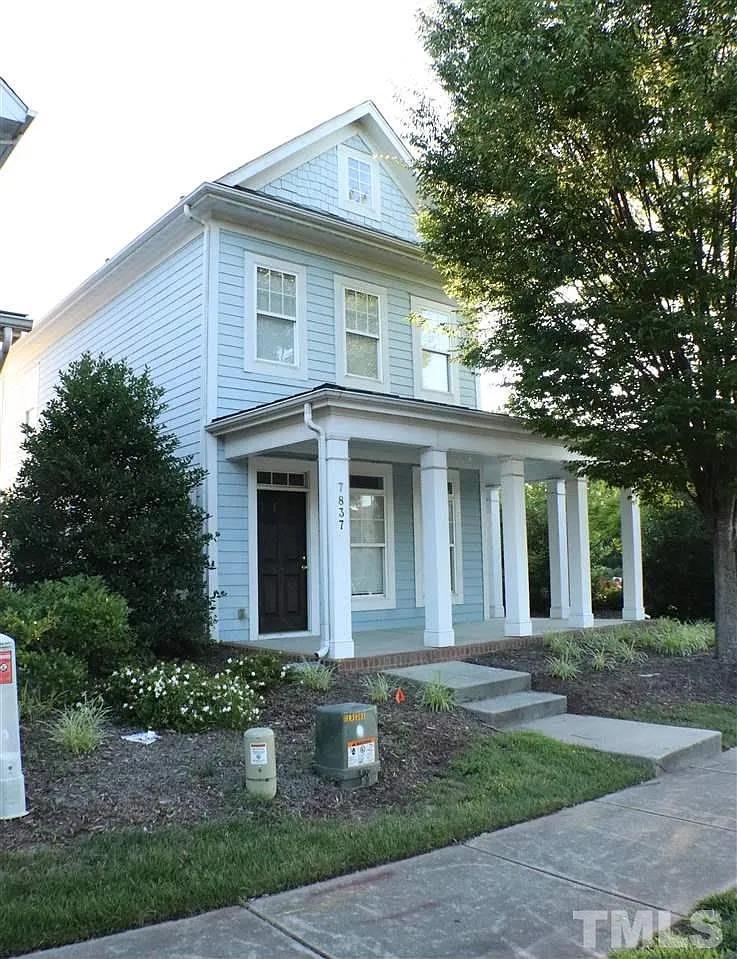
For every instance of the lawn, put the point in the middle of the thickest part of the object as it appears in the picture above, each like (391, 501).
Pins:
(127, 878)
(701, 715)
(725, 905)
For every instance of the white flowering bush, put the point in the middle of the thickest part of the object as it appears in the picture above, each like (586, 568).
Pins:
(186, 698)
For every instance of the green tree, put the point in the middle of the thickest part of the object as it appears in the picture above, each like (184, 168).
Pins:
(581, 188)
(102, 492)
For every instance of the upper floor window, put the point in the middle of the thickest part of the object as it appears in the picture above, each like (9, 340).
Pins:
(275, 317)
(436, 375)
(358, 180)
(361, 334)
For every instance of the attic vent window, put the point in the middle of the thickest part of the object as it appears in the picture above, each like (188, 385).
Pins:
(359, 181)
(358, 174)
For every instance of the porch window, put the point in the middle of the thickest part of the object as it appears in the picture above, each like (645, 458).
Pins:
(436, 376)
(361, 333)
(372, 562)
(275, 334)
(454, 536)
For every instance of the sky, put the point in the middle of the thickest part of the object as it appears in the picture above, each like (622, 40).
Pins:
(139, 102)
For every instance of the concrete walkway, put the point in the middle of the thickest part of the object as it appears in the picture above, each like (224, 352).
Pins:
(517, 892)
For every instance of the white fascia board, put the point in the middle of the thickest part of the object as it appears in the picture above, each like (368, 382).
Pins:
(379, 418)
(215, 202)
(365, 118)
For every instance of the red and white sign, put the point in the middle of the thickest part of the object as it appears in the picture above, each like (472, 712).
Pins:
(6, 667)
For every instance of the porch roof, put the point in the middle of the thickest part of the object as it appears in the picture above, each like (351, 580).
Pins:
(374, 419)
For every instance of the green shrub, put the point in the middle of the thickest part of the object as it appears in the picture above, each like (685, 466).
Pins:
(104, 490)
(315, 676)
(263, 671)
(668, 637)
(80, 728)
(377, 688)
(563, 667)
(183, 697)
(437, 697)
(77, 616)
(49, 676)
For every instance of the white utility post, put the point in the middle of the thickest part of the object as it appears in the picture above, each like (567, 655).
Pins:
(338, 565)
(12, 784)
(558, 548)
(517, 620)
(436, 549)
(579, 556)
(495, 602)
(633, 602)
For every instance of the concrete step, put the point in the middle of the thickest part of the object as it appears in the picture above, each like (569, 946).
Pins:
(467, 680)
(664, 747)
(516, 708)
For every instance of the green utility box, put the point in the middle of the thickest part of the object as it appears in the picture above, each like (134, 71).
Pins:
(346, 744)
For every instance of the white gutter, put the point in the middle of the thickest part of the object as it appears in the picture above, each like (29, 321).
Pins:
(322, 510)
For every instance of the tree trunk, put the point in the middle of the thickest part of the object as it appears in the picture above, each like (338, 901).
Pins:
(725, 585)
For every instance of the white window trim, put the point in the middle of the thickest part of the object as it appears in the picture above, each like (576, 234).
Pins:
(341, 284)
(274, 464)
(389, 599)
(454, 477)
(372, 210)
(417, 305)
(252, 364)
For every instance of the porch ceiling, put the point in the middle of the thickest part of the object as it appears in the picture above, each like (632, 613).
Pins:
(393, 428)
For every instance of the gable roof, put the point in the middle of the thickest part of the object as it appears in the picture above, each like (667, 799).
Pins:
(15, 118)
(365, 118)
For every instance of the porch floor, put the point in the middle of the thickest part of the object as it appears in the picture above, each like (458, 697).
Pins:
(405, 647)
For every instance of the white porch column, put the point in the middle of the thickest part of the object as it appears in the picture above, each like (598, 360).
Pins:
(558, 549)
(579, 557)
(338, 565)
(516, 576)
(495, 602)
(634, 604)
(436, 549)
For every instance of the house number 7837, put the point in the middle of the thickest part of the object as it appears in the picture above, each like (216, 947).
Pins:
(341, 507)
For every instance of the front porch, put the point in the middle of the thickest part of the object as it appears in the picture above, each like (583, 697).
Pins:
(367, 526)
(384, 648)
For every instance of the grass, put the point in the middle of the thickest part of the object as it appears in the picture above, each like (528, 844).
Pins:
(668, 947)
(437, 697)
(627, 644)
(377, 687)
(315, 676)
(700, 715)
(123, 880)
(80, 728)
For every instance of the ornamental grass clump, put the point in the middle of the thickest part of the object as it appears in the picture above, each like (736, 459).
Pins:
(377, 688)
(185, 698)
(437, 697)
(80, 728)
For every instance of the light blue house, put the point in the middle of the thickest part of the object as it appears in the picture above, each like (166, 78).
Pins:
(352, 479)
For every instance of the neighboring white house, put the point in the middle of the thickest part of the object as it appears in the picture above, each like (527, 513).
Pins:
(15, 118)
(352, 480)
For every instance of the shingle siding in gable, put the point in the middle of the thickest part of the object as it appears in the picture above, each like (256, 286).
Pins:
(315, 184)
(156, 323)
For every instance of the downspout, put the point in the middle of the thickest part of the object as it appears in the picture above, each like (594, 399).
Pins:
(322, 510)
(206, 232)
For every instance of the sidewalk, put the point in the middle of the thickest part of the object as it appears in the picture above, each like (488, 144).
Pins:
(513, 893)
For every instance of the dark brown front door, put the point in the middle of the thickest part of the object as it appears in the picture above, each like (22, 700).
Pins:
(282, 561)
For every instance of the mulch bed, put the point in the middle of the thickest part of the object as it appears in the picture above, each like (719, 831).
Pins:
(186, 779)
(661, 681)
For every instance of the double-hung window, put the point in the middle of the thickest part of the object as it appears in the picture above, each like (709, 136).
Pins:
(358, 181)
(275, 307)
(361, 333)
(455, 546)
(436, 375)
(372, 536)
